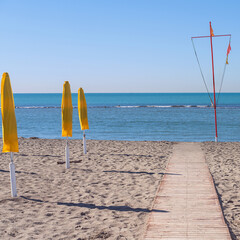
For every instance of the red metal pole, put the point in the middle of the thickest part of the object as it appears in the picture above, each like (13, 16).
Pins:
(225, 35)
(215, 110)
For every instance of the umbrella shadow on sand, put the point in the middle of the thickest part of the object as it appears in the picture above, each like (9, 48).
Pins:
(46, 155)
(142, 172)
(113, 208)
(6, 171)
(127, 155)
(94, 206)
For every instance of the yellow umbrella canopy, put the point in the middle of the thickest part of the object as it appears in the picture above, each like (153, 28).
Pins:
(9, 123)
(82, 110)
(67, 110)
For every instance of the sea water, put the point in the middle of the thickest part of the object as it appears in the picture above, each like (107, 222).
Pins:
(133, 116)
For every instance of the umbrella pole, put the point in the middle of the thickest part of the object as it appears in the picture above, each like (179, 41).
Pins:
(67, 155)
(12, 177)
(84, 143)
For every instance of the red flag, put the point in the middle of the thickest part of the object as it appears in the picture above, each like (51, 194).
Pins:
(211, 31)
(229, 49)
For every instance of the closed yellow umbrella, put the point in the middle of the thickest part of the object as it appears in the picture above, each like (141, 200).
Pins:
(9, 126)
(9, 123)
(82, 110)
(67, 110)
(83, 118)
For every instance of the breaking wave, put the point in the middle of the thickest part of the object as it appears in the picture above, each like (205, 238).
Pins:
(133, 106)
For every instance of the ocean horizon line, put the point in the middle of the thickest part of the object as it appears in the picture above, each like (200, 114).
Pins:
(131, 93)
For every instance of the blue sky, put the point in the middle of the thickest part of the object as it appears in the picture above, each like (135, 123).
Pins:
(117, 46)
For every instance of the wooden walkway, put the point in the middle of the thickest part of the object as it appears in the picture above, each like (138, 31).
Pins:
(186, 205)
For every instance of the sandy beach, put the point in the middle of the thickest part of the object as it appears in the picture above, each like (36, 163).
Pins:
(223, 160)
(106, 194)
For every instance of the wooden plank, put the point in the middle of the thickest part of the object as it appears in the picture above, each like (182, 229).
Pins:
(188, 200)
